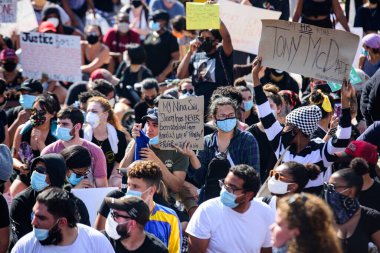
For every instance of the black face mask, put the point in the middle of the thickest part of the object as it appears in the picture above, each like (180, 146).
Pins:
(136, 4)
(206, 46)
(55, 236)
(10, 66)
(122, 230)
(150, 101)
(287, 137)
(92, 39)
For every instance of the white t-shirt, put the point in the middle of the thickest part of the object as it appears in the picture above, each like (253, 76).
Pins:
(89, 240)
(230, 231)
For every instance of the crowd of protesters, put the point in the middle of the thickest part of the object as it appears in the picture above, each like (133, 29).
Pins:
(288, 164)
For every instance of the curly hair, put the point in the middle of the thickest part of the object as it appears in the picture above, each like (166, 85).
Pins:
(149, 171)
(313, 218)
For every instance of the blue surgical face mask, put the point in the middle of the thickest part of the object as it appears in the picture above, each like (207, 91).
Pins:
(248, 105)
(226, 125)
(228, 199)
(73, 179)
(38, 181)
(154, 141)
(64, 133)
(27, 101)
(154, 26)
(40, 233)
(134, 193)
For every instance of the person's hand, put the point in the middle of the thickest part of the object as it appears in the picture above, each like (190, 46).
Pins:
(361, 126)
(161, 78)
(149, 155)
(23, 116)
(256, 68)
(194, 45)
(193, 191)
(185, 150)
(334, 122)
(347, 90)
(210, 2)
(24, 170)
(84, 183)
(136, 130)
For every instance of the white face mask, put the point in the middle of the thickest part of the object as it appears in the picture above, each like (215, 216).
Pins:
(110, 228)
(55, 21)
(123, 27)
(93, 119)
(277, 187)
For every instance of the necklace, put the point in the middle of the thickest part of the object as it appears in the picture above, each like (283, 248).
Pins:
(100, 143)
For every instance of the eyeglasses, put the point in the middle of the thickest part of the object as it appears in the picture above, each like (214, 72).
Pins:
(80, 173)
(225, 116)
(230, 189)
(277, 175)
(116, 216)
(40, 169)
(184, 91)
(334, 187)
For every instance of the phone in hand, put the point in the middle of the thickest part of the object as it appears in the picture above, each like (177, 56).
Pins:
(338, 109)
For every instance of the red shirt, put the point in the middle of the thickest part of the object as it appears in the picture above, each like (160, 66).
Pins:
(117, 41)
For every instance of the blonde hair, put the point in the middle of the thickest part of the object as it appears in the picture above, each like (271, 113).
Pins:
(313, 218)
(112, 118)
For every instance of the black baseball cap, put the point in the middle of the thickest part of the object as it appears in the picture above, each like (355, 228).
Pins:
(31, 85)
(136, 208)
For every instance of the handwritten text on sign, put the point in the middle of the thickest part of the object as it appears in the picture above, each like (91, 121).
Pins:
(308, 50)
(59, 56)
(8, 11)
(181, 120)
(244, 24)
(202, 16)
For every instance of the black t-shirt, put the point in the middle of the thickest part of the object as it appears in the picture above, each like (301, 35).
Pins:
(12, 114)
(3, 123)
(369, 224)
(267, 157)
(74, 91)
(129, 78)
(286, 83)
(22, 210)
(208, 72)
(367, 18)
(253, 118)
(151, 244)
(111, 157)
(140, 111)
(158, 50)
(104, 5)
(4, 212)
(371, 197)
(273, 5)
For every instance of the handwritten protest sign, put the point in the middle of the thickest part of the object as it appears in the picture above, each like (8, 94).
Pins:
(181, 120)
(244, 24)
(92, 198)
(59, 56)
(354, 79)
(202, 16)
(8, 11)
(312, 51)
(358, 31)
(26, 19)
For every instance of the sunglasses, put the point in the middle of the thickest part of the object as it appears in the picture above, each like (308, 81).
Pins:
(277, 175)
(201, 39)
(184, 91)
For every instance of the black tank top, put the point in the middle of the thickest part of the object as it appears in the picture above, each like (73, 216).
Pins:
(313, 8)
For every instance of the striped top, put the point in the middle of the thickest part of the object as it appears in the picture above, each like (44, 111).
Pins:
(165, 225)
(317, 152)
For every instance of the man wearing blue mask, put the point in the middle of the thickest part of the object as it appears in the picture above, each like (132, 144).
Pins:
(144, 179)
(233, 222)
(70, 121)
(29, 90)
(47, 171)
(56, 227)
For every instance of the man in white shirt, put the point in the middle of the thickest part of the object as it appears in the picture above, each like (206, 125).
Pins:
(55, 228)
(233, 222)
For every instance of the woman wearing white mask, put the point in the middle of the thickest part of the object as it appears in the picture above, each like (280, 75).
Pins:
(104, 129)
(267, 159)
(289, 178)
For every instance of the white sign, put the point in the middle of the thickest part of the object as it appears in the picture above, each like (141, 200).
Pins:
(92, 198)
(244, 24)
(58, 56)
(8, 11)
(26, 19)
(358, 31)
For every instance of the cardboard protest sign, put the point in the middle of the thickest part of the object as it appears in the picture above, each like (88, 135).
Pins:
(58, 56)
(8, 11)
(358, 31)
(308, 50)
(244, 24)
(181, 120)
(92, 198)
(354, 79)
(202, 16)
(25, 18)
